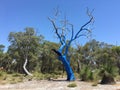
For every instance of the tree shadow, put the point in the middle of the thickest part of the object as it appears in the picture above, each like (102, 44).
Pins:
(59, 80)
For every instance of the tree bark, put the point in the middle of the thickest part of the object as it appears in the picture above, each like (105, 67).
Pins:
(66, 63)
(79, 66)
(24, 67)
(70, 74)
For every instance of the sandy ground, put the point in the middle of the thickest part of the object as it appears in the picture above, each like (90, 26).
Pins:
(57, 85)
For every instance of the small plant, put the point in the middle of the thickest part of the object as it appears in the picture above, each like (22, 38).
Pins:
(117, 78)
(88, 74)
(95, 84)
(47, 76)
(72, 85)
(38, 76)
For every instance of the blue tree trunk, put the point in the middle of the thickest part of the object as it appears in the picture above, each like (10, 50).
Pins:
(62, 52)
(66, 63)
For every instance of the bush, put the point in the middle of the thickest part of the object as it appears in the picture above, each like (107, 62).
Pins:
(95, 84)
(47, 76)
(117, 78)
(72, 85)
(107, 79)
(3, 75)
(86, 74)
(112, 70)
(38, 76)
(108, 72)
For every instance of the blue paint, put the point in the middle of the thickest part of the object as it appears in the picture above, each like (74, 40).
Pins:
(70, 74)
(62, 56)
(65, 45)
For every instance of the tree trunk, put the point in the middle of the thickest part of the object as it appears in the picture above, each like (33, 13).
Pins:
(24, 67)
(79, 66)
(63, 70)
(70, 74)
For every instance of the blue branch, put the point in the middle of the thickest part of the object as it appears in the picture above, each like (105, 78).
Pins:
(61, 48)
(56, 30)
(83, 29)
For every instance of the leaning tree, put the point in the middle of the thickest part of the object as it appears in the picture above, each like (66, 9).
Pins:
(63, 51)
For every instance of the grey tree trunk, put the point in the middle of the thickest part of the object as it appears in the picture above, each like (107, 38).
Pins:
(79, 66)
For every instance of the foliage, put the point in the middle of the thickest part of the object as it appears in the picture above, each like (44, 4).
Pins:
(95, 84)
(24, 46)
(91, 61)
(107, 79)
(47, 76)
(86, 74)
(72, 85)
(49, 64)
(10, 78)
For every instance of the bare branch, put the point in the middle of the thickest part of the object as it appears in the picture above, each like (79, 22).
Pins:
(72, 28)
(83, 27)
(57, 11)
(81, 35)
(56, 29)
(89, 13)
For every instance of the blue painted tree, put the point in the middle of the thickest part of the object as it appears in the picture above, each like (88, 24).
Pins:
(65, 44)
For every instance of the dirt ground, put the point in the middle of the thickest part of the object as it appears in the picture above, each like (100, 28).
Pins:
(58, 84)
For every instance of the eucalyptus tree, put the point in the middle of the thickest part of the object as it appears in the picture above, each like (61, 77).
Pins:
(2, 48)
(48, 64)
(1, 51)
(1, 54)
(5, 60)
(63, 51)
(116, 55)
(24, 45)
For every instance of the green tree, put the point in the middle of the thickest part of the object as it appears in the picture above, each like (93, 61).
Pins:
(24, 49)
(48, 62)
(1, 55)
(116, 55)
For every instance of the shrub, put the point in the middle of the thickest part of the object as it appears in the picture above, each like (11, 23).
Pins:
(47, 76)
(38, 76)
(72, 85)
(3, 75)
(95, 83)
(107, 79)
(86, 74)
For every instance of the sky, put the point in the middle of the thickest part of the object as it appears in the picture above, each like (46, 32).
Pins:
(15, 15)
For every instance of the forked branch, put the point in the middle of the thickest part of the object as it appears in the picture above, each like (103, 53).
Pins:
(83, 28)
(56, 30)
